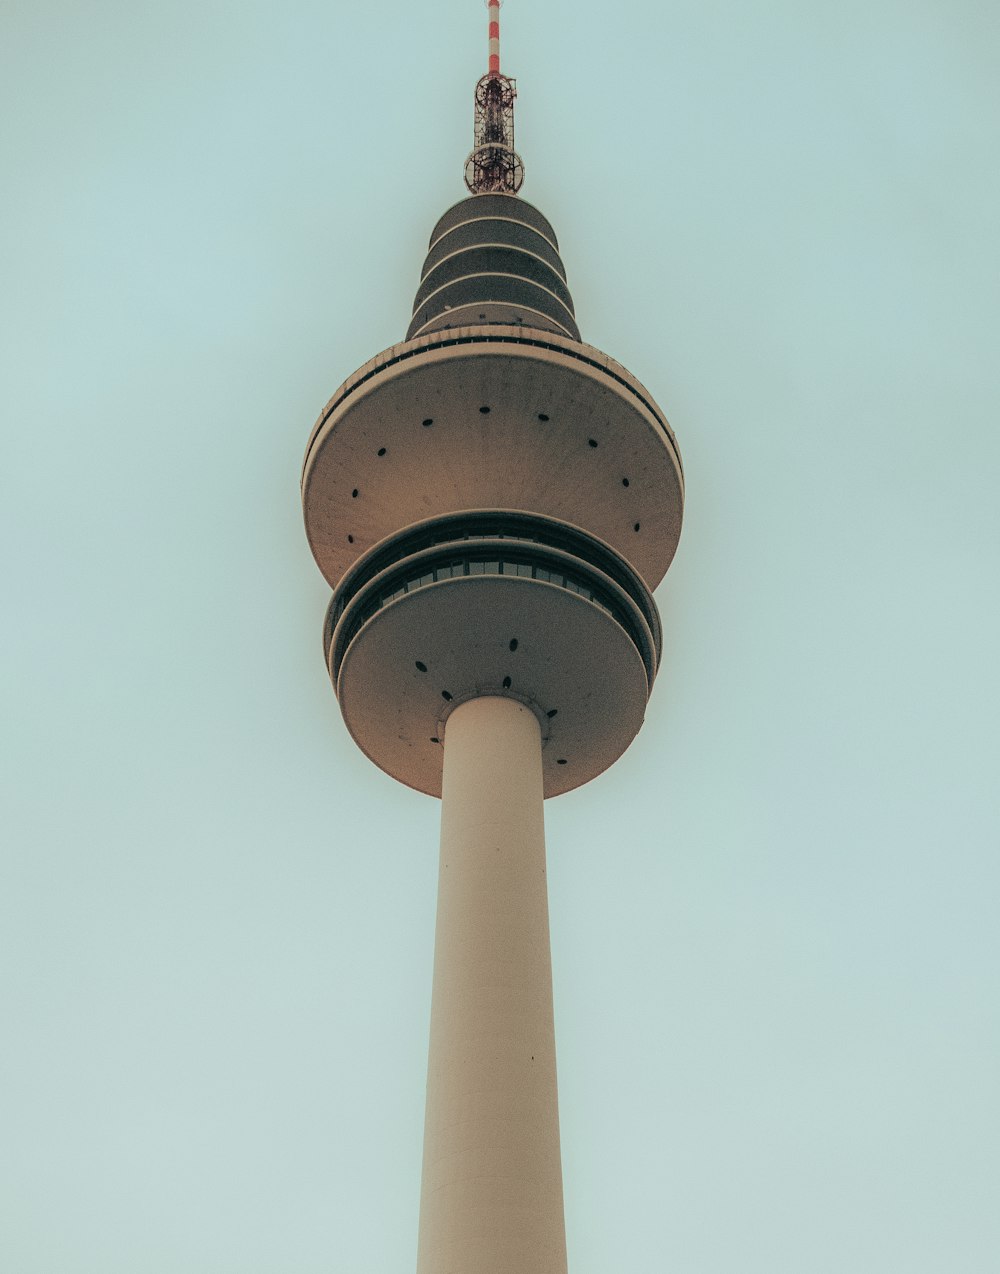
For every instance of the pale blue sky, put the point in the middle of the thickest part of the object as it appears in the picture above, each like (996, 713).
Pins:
(775, 934)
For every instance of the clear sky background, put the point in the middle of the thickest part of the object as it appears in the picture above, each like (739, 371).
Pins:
(774, 922)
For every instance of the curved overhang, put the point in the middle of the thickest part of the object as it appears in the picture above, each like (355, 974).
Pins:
(480, 259)
(491, 287)
(500, 543)
(492, 313)
(418, 656)
(498, 230)
(494, 204)
(493, 417)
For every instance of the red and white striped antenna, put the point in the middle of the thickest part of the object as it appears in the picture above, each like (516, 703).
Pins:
(494, 167)
(494, 8)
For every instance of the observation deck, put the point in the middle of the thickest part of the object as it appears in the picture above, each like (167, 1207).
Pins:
(493, 416)
(493, 501)
(492, 602)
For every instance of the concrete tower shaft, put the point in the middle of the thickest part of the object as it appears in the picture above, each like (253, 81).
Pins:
(492, 1182)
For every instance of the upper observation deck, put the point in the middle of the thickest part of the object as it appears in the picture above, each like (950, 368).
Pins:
(493, 415)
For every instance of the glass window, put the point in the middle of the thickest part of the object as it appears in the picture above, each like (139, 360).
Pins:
(477, 568)
(524, 570)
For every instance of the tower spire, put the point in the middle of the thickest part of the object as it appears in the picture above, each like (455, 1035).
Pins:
(494, 167)
(494, 8)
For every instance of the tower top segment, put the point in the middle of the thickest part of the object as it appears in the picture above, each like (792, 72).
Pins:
(494, 8)
(493, 501)
(494, 166)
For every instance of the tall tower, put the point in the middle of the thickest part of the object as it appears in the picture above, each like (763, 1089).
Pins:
(492, 502)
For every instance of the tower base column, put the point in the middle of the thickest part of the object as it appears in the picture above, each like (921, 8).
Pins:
(492, 1200)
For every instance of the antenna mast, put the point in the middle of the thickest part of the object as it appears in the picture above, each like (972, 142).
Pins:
(494, 167)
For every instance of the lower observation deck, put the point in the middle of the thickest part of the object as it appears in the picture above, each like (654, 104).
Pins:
(493, 416)
(493, 603)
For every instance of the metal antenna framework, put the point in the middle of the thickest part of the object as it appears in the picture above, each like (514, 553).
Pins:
(494, 166)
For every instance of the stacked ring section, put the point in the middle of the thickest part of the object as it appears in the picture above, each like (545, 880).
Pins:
(493, 259)
(492, 602)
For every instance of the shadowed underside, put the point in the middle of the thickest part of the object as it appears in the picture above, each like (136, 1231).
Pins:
(493, 417)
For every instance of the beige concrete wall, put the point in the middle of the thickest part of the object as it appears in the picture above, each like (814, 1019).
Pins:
(492, 1182)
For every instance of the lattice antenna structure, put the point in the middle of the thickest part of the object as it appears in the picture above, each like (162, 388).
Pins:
(494, 167)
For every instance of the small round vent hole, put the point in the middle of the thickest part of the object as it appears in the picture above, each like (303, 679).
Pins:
(542, 417)
(561, 761)
(513, 643)
(446, 694)
(624, 482)
(381, 451)
(591, 442)
(428, 422)
(551, 713)
(420, 665)
(354, 494)
(506, 683)
(350, 539)
(435, 739)
(635, 526)
(484, 411)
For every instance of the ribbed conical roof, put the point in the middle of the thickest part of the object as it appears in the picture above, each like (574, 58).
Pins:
(493, 259)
